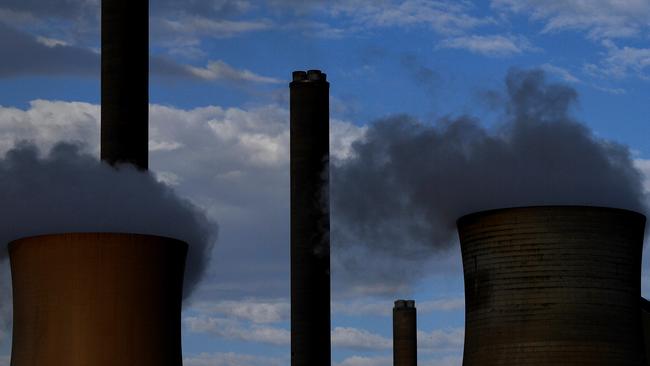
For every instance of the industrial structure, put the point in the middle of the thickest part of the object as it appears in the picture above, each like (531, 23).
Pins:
(125, 82)
(552, 285)
(405, 347)
(104, 299)
(310, 246)
(101, 299)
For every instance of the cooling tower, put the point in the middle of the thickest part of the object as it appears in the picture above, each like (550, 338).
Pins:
(645, 317)
(310, 247)
(97, 299)
(125, 82)
(405, 347)
(556, 285)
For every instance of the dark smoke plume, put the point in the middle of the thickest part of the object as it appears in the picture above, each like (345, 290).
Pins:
(68, 191)
(407, 182)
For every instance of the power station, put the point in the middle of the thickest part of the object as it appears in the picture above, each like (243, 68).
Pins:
(545, 285)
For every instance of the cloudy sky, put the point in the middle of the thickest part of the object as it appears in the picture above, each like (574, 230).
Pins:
(219, 135)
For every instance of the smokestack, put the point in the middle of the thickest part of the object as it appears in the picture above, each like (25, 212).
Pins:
(310, 246)
(125, 82)
(405, 345)
(97, 299)
(552, 285)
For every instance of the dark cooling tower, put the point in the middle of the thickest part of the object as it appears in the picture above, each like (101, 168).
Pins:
(405, 346)
(125, 82)
(556, 285)
(97, 299)
(645, 316)
(310, 248)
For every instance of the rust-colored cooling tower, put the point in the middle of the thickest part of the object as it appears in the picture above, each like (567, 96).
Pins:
(310, 245)
(97, 299)
(125, 82)
(555, 285)
(405, 345)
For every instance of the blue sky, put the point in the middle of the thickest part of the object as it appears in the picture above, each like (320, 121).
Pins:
(219, 128)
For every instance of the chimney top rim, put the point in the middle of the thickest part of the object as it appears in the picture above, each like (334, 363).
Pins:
(309, 76)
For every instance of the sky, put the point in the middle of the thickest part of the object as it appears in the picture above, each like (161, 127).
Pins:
(219, 133)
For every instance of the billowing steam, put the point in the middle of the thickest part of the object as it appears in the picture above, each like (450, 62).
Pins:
(408, 182)
(68, 191)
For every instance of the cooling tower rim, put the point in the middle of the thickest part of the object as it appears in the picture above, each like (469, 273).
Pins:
(78, 234)
(469, 216)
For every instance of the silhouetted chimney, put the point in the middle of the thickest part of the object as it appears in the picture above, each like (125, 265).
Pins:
(310, 247)
(405, 345)
(125, 82)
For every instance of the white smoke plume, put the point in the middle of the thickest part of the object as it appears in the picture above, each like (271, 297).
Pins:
(65, 190)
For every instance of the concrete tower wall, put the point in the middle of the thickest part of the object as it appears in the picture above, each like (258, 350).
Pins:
(405, 346)
(310, 246)
(552, 286)
(125, 82)
(97, 299)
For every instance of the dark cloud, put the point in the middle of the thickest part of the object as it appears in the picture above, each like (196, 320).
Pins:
(73, 9)
(422, 75)
(67, 191)
(23, 54)
(400, 196)
(52, 8)
(210, 8)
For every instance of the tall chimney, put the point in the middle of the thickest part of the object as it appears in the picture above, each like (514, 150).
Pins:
(125, 82)
(405, 347)
(552, 285)
(310, 246)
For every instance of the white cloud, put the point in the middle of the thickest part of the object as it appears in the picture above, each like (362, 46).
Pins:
(388, 361)
(256, 311)
(230, 359)
(620, 62)
(366, 361)
(560, 72)
(443, 16)
(610, 90)
(385, 307)
(443, 361)
(230, 329)
(643, 165)
(449, 340)
(47, 122)
(199, 26)
(164, 145)
(598, 18)
(4, 360)
(436, 341)
(168, 178)
(354, 338)
(219, 70)
(342, 136)
(51, 42)
(490, 45)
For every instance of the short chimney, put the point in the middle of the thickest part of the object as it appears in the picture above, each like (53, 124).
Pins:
(405, 345)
